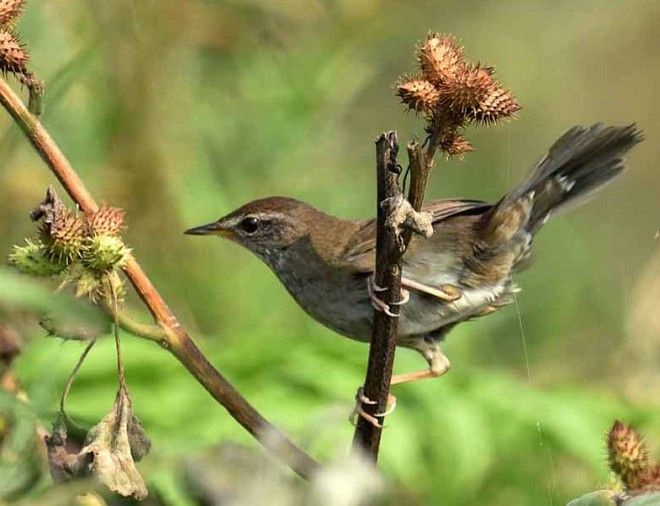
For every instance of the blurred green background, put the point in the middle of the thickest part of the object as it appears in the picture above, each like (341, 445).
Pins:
(180, 111)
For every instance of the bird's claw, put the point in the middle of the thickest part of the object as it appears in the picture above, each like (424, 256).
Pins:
(363, 399)
(358, 411)
(378, 304)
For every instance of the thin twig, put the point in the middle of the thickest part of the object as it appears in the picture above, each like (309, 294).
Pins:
(121, 374)
(144, 330)
(74, 373)
(176, 339)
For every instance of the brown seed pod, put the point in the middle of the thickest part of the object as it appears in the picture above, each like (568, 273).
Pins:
(440, 58)
(628, 456)
(455, 144)
(444, 123)
(498, 103)
(10, 10)
(106, 221)
(650, 479)
(469, 87)
(63, 235)
(418, 94)
(13, 56)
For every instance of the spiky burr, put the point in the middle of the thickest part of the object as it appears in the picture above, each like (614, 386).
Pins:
(440, 58)
(13, 55)
(418, 94)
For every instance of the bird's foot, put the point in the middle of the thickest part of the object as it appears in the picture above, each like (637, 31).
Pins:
(358, 410)
(438, 366)
(373, 289)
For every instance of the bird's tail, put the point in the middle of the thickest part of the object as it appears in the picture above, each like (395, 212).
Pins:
(580, 163)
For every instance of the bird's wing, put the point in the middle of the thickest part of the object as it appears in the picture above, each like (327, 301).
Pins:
(360, 252)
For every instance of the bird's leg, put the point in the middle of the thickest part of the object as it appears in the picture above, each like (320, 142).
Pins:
(438, 365)
(446, 293)
(358, 411)
(373, 289)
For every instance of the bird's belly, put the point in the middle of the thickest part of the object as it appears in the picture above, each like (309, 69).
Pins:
(341, 305)
(424, 313)
(346, 309)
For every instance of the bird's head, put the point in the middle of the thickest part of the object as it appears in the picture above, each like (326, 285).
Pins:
(266, 227)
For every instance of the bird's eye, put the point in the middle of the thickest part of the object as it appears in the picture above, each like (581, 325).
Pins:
(250, 224)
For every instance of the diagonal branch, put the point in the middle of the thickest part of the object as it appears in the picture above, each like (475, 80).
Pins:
(175, 338)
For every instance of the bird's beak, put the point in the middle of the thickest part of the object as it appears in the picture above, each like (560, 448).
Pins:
(215, 228)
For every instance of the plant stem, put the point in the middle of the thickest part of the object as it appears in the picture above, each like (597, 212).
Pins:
(175, 338)
(74, 373)
(387, 274)
(389, 255)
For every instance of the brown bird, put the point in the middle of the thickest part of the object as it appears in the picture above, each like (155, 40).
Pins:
(463, 271)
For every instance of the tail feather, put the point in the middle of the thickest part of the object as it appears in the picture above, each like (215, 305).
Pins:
(580, 163)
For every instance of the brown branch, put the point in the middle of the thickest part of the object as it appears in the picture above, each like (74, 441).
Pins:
(388, 274)
(389, 253)
(175, 339)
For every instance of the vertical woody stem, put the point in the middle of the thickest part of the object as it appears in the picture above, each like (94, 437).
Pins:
(388, 274)
(389, 253)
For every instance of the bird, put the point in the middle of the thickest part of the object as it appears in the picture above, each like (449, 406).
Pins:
(464, 270)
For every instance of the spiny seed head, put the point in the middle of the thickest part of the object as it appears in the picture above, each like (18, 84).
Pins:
(455, 145)
(628, 456)
(32, 259)
(106, 221)
(103, 253)
(13, 56)
(440, 58)
(650, 479)
(10, 10)
(418, 94)
(87, 284)
(64, 235)
(499, 103)
(468, 88)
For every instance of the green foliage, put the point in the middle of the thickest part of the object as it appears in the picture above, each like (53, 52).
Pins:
(179, 122)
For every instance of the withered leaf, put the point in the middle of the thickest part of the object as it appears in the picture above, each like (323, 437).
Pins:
(64, 457)
(138, 439)
(108, 444)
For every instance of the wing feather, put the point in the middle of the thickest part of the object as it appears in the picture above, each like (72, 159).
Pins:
(359, 254)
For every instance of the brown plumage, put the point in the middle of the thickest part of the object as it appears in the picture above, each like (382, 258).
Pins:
(464, 270)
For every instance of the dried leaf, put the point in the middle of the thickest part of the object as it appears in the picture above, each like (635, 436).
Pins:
(108, 444)
(138, 439)
(401, 215)
(64, 457)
